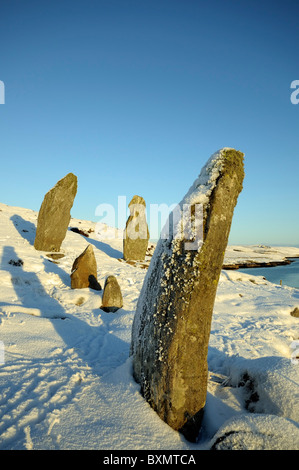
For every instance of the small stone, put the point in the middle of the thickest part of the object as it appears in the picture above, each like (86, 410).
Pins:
(54, 214)
(295, 312)
(136, 234)
(84, 271)
(112, 297)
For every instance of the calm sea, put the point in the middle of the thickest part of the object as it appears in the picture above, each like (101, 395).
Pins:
(288, 274)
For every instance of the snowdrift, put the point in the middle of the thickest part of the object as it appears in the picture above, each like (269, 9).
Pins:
(66, 380)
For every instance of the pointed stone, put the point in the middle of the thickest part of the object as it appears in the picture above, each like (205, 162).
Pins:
(171, 327)
(84, 271)
(295, 312)
(112, 297)
(136, 234)
(54, 214)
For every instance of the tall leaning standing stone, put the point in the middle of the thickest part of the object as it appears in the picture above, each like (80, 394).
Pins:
(171, 327)
(136, 234)
(54, 214)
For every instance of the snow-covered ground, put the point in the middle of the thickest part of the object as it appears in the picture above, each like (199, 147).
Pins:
(255, 254)
(66, 379)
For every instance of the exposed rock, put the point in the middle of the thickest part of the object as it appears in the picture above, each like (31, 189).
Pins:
(295, 312)
(84, 271)
(81, 232)
(54, 215)
(18, 262)
(112, 297)
(171, 326)
(55, 256)
(257, 264)
(136, 234)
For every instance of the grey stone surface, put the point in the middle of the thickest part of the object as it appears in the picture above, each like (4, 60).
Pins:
(54, 214)
(136, 234)
(84, 271)
(171, 327)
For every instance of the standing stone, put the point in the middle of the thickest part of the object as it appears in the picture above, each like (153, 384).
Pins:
(84, 271)
(54, 215)
(112, 297)
(171, 327)
(136, 234)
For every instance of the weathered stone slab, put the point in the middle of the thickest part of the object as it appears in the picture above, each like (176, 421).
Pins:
(136, 234)
(54, 214)
(112, 297)
(84, 271)
(171, 327)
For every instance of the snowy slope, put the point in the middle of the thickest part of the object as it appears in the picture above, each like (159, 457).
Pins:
(66, 380)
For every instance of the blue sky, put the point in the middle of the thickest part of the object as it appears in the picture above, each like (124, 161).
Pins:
(133, 96)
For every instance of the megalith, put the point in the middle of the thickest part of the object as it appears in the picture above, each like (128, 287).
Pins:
(136, 233)
(172, 322)
(112, 299)
(84, 271)
(54, 214)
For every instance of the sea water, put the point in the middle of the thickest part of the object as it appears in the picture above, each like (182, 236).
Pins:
(288, 274)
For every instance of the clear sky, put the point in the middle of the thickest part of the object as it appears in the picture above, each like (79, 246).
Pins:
(133, 96)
